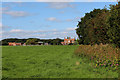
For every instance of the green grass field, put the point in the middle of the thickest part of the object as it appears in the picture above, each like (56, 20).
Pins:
(48, 62)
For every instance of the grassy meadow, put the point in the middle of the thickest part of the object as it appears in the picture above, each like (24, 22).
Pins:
(49, 62)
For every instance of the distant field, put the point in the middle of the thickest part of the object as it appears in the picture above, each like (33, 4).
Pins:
(48, 62)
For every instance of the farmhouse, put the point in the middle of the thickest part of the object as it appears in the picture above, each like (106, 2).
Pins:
(40, 43)
(46, 44)
(14, 44)
(68, 41)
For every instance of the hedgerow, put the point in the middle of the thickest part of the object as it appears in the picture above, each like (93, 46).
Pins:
(101, 55)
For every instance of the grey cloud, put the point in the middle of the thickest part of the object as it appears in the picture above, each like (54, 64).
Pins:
(53, 19)
(16, 13)
(76, 19)
(60, 5)
(55, 0)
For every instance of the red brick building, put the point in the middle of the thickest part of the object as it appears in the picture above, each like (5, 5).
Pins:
(68, 41)
(14, 44)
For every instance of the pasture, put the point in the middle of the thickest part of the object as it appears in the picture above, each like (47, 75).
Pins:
(49, 62)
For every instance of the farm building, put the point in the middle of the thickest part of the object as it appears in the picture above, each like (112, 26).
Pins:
(46, 44)
(68, 41)
(40, 43)
(14, 44)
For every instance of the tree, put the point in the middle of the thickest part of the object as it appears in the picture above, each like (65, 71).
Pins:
(31, 41)
(93, 26)
(75, 43)
(114, 27)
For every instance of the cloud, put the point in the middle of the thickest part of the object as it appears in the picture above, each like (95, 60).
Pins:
(76, 19)
(16, 30)
(16, 13)
(0, 25)
(54, 33)
(53, 19)
(15, 0)
(100, 0)
(4, 8)
(55, 0)
(59, 5)
(7, 10)
(31, 32)
(3, 27)
(62, 12)
(71, 29)
(59, 0)
(44, 25)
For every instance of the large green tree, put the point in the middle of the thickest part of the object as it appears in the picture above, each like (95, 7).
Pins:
(93, 26)
(31, 41)
(114, 27)
(100, 26)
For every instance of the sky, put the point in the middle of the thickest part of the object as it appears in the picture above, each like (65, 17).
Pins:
(59, 0)
(44, 20)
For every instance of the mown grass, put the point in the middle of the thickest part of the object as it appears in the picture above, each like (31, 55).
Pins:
(48, 62)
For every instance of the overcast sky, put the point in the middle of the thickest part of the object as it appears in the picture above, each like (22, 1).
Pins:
(44, 19)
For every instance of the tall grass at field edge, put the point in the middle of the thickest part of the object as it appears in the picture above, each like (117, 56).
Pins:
(102, 55)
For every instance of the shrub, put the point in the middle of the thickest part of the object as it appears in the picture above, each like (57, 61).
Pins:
(70, 44)
(102, 55)
(75, 43)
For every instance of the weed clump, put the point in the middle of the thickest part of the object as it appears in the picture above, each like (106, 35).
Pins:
(101, 55)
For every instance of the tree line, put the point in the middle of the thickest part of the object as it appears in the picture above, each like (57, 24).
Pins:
(100, 26)
(33, 41)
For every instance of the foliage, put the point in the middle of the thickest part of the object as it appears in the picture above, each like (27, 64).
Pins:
(0, 43)
(114, 21)
(5, 41)
(70, 44)
(31, 41)
(92, 28)
(75, 43)
(100, 26)
(56, 41)
(102, 55)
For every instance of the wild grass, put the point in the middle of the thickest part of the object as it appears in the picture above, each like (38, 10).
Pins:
(48, 62)
(102, 55)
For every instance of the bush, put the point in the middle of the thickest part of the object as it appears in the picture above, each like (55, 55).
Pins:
(102, 55)
(70, 44)
(75, 43)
